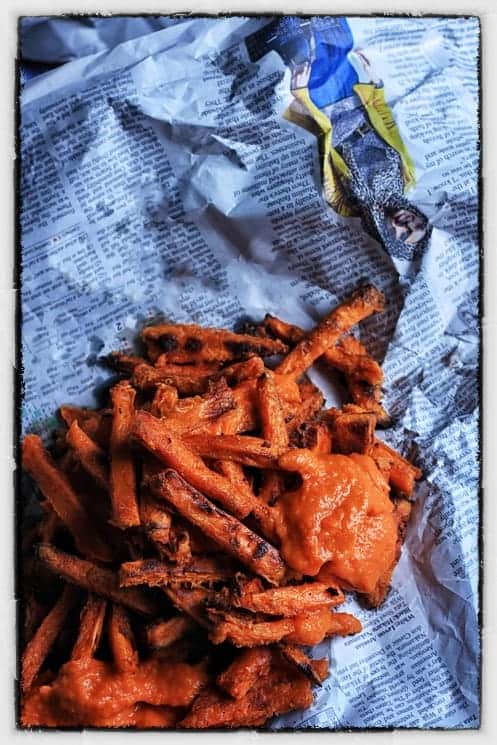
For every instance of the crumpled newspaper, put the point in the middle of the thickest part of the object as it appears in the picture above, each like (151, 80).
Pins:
(219, 168)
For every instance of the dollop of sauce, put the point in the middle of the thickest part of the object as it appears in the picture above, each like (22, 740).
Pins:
(341, 516)
(92, 692)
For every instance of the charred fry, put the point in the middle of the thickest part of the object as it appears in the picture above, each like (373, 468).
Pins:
(157, 574)
(351, 432)
(310, 406)
(229, 533)
(182, 344)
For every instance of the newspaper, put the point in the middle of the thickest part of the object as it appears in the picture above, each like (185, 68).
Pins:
(220, 168)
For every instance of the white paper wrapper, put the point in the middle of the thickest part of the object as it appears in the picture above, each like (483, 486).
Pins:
(160, 178)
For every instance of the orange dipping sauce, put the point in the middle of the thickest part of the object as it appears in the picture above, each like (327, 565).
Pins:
(91, 692)
(341, 517)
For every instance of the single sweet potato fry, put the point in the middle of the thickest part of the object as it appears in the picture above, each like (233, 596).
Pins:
(121, 640)
(104, 582)
(155, 573)
(245, 671)
(274, 430)
(154, 434)
(291, 600)
(165, 633)
(122, 468)
(182, 344)
(90, 628)
(93, 459)
(34, 613)
(39, 646)
(271, 414)
(230, 534)
(361, 304)
(57, 490)
(348, 356)
(250, 451)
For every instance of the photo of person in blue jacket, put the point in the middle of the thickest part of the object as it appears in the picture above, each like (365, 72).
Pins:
(366, 168)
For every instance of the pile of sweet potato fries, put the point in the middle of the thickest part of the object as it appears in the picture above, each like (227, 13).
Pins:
(164, 585)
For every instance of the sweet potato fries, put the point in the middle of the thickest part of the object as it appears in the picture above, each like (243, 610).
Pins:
(205, 525)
